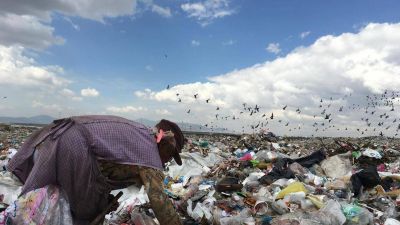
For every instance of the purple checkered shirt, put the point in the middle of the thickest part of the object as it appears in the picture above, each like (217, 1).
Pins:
(67, 154)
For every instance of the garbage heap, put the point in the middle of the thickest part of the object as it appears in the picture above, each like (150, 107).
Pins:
(264, 179)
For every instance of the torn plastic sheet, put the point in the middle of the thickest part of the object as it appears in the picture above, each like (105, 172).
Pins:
(193, 164)
(10, 187)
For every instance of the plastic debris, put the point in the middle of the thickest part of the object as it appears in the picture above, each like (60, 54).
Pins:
(260, 179)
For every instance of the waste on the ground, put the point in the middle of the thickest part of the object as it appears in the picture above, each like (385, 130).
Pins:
(261, 179)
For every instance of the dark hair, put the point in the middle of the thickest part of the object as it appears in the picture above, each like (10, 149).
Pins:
(178, 135)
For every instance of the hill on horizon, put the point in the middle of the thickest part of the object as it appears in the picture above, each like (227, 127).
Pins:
(46, 119)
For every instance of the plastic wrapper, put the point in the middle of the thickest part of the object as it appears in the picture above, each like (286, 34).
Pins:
(391, 221)
(357, 215)
(291, 188)
(333, 210)
(46, 205)
(336, 166)
(372, 153)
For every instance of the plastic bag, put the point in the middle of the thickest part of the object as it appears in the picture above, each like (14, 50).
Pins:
(46, 205)
(372, 153)
(391, 221)
(333, 210)
(336, 166)
(357, 215)
(291, 188)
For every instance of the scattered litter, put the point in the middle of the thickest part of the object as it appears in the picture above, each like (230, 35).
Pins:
(259, 179)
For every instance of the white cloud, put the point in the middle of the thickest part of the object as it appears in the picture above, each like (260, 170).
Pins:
(205, 12)
(163, 112)
(162, 11)
(89, 92)
(304, 34)
(68, 93)
(334, 66)
(28, 23)
(126, 109)
(228, 42)
(27, 31)
(146, 94)
(46, 107)
(273, 48)
(19, 70)
(195, 43)
(88, 9)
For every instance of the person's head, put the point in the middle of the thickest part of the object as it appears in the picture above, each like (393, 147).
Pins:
(171, 143)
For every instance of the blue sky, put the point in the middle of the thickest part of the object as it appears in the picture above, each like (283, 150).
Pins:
(124, 46)
(96, 57)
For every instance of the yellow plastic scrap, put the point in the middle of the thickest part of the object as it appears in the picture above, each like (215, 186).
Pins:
(291, 188)
(316, 201)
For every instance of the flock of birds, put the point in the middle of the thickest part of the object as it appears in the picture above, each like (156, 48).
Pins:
(377, 116)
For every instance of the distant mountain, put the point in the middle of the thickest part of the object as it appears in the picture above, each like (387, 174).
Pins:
(146, 122)
(45, 119)
(40, 119)
(184, 126)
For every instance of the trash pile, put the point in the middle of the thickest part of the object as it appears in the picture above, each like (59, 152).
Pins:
(261, 179)
(264, 179)
(11, 139)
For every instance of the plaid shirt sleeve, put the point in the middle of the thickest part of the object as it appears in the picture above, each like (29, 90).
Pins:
(161, 205)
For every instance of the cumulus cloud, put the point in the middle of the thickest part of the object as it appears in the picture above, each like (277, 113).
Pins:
(20, 70)
(68, 93)
(146, 94)
(163, 112)
(304, 34)
(27, 31)
(205, 12)
(126, 109)
(89, 92)
(28, 23)
(46, 107)
(195, 43)
(273, 48)
(333, 66)
(89, 9)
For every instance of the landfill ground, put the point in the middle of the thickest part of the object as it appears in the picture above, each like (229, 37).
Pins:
(261, 179)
